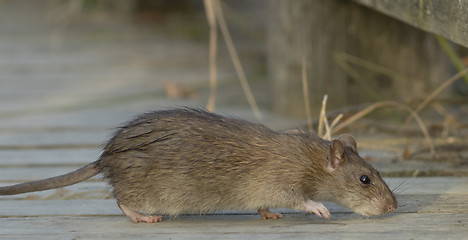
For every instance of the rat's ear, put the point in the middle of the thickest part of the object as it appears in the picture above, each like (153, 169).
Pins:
(349, 142)
(335, 155)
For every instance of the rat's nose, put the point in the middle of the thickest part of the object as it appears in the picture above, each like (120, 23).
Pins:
(392, 204)
(391, 208)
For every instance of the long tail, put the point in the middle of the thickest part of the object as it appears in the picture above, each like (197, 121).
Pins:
(67, 179)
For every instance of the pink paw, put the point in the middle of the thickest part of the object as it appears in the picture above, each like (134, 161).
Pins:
(138, 217)
(146, 219)
(318, 208)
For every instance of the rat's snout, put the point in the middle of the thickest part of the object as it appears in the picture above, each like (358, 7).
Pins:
(393, 205)
(391, 208)
(377, 206)
(388, 205)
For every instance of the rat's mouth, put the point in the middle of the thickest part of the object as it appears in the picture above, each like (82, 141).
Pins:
(373, 210)
(376, 206)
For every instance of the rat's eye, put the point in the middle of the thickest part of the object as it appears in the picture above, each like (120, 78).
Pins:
(365, 179)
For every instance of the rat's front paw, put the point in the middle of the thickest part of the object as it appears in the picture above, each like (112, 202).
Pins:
(318, 208)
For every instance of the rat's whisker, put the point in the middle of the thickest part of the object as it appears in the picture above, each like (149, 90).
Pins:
(399, 185)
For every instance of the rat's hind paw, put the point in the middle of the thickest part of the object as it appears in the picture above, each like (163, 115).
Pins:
(318, 208)
(138, 217)
(266, 214)
(146, 219)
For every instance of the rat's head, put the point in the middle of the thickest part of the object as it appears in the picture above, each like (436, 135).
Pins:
(353, 182)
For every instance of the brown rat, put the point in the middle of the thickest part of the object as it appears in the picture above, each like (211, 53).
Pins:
(191, 161)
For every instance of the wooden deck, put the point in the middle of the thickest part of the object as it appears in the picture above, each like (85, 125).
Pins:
(61, 100)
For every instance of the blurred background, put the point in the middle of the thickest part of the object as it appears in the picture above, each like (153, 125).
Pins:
(71, 71)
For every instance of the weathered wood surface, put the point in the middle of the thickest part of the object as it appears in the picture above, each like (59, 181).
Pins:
(446, 18)
(404, 226)
(353, 54)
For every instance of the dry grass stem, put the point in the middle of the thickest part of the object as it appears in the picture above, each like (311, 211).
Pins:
(375, 106)
(336, 120)
(436, 92)
(305, 89)
(450, 120)
(235, 59)
(327, 135)
(369, 65)
(320, 123)
(210, 15)
(452, 54)
(323, 121)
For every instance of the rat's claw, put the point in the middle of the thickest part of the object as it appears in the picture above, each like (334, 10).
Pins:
(318, 208)
(321, 213)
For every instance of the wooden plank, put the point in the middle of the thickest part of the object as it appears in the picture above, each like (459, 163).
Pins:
(84, 190)
(22, 174)
(446, 18)
(345, 226)
(54, 157)
(18, 139)
(448, 203)
(433, 203)
(77, 207)
(430, 185)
